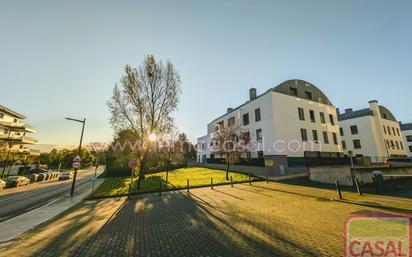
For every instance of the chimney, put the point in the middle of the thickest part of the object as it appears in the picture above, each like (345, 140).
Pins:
(337, 111)
(374, 106)
(252, 93)
(229, 109)
(349, 110)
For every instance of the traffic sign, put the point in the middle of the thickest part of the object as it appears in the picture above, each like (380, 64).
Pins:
(76, 162)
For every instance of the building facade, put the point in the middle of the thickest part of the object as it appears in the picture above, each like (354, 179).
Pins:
(407, 137)
(293, 119)
(13, 132)
(373, 131)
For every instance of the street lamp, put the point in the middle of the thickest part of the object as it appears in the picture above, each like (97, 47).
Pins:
(78, 151)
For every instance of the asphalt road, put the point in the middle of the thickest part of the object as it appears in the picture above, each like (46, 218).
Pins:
(16, 201)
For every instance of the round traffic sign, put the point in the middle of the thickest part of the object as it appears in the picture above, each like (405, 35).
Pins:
(132, 163)
(76, 165)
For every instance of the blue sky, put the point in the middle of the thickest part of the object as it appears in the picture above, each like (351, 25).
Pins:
(62, 58)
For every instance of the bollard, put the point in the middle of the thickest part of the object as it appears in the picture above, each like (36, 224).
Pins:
(188, 186)
(358, 186)
(267, 179)
(338, 189)
(250, 181)
(231, 181)
(211, 183)
(160, 188)
(378, 182)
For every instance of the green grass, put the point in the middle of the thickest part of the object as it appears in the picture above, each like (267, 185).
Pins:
(177, 180)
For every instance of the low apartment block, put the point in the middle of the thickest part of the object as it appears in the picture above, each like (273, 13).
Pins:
(293, 119)
(13, 131)
(373, 131)
(407, 137)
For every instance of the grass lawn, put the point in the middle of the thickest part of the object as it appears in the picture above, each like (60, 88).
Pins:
(177, 180)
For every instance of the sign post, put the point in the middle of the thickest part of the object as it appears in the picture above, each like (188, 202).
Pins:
(132, 165)
(95, 175)
(76, 166)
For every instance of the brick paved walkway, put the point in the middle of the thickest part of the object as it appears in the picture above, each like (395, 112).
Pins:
(260, 220)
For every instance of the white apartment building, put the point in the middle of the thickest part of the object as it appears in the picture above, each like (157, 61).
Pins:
(293, 119)
(407, 137)
(13, 131)
(373, 132)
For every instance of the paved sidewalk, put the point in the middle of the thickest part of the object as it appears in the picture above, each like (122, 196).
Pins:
(261, 220)
(17, 225)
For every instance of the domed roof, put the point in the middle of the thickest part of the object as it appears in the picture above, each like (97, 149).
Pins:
(302, 89)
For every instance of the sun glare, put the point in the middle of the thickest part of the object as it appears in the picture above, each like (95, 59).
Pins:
(152, 137)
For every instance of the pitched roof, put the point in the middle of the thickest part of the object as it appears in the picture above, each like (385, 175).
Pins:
(355, 114)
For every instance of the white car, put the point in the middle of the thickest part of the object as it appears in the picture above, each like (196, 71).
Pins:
(66, 175)
(16, 181)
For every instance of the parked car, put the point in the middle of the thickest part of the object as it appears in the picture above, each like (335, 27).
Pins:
(66, 175)
(16, 181)
(48, 175)
(42, 177)
(397, 162)
(2, 184)
(33, 178)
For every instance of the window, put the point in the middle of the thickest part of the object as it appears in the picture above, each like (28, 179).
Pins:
(304, 134)
(231, 121)
(397, 131)
(389, 130)
(343, 145)
(354, 130)
(332, 119)
(394, 132)
(397, 145)
(409, 138)
(246, 137)
(384, 130)
(245, 119)
(257, 115)
(410, 148)
(260, 154)
(401, 145)
(294, 91)
(15, 120)
(325, 137)
(259, 135)
(5, 131)
(312, 116)
(357, 144)
(308, 94)
(392, 145)
(322, 118)
(315, 135)
(301, 114)
(385, 116)
(335, 138)
(1, 115)
(341, 132)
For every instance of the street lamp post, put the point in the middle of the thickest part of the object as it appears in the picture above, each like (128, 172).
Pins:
(78, 151)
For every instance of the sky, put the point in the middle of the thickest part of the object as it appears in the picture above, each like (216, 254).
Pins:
(62, 58)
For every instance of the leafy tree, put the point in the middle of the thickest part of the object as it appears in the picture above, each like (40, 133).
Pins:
(144, 104)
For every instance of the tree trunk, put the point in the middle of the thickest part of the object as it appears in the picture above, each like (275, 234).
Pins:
(227, 169)
(141, 172)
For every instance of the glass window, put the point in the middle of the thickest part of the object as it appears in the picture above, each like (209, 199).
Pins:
(384, 130)
(308, 94)
(397, 131)
(357, 144)
(315, 135)
(393, 130)
(245, 119)
(344, 145)
(389, 130)
(341, 132)
(354, 130)
(304, 134)
(401, 145)
(322, 118)
(331, 119)
(312, 116)
(410, 148)
(335, 138)
(325, 137)
(294, 91)
(259, 135)
(301, 114)
(257, 115)
(409, 138)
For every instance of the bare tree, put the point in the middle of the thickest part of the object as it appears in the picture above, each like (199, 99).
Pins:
(170, 152)
(145, 102)
(231, 142)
